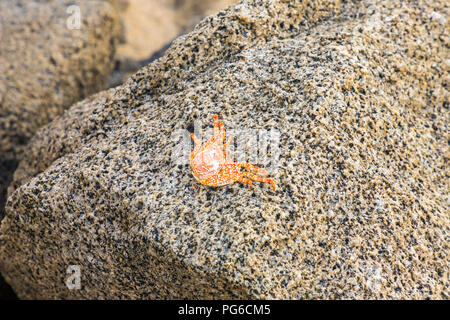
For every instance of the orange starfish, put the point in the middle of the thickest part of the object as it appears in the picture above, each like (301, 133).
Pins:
(212, 166)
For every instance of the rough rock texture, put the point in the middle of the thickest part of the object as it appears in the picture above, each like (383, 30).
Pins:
(359, 94)
(45, 67)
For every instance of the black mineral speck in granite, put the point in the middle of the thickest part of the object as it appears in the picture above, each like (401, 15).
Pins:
(361, 168)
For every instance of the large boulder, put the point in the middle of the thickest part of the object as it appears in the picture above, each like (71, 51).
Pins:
(47, 62)
(356, 92)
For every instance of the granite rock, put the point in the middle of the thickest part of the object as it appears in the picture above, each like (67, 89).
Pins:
(47, 64)
(151, 24)
(358, 92)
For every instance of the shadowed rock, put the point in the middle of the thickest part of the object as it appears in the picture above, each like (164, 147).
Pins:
(357, 92)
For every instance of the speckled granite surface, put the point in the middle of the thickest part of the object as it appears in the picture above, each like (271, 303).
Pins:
(359, 94)
(45, 67)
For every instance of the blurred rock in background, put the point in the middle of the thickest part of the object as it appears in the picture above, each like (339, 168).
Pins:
(150, 25)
